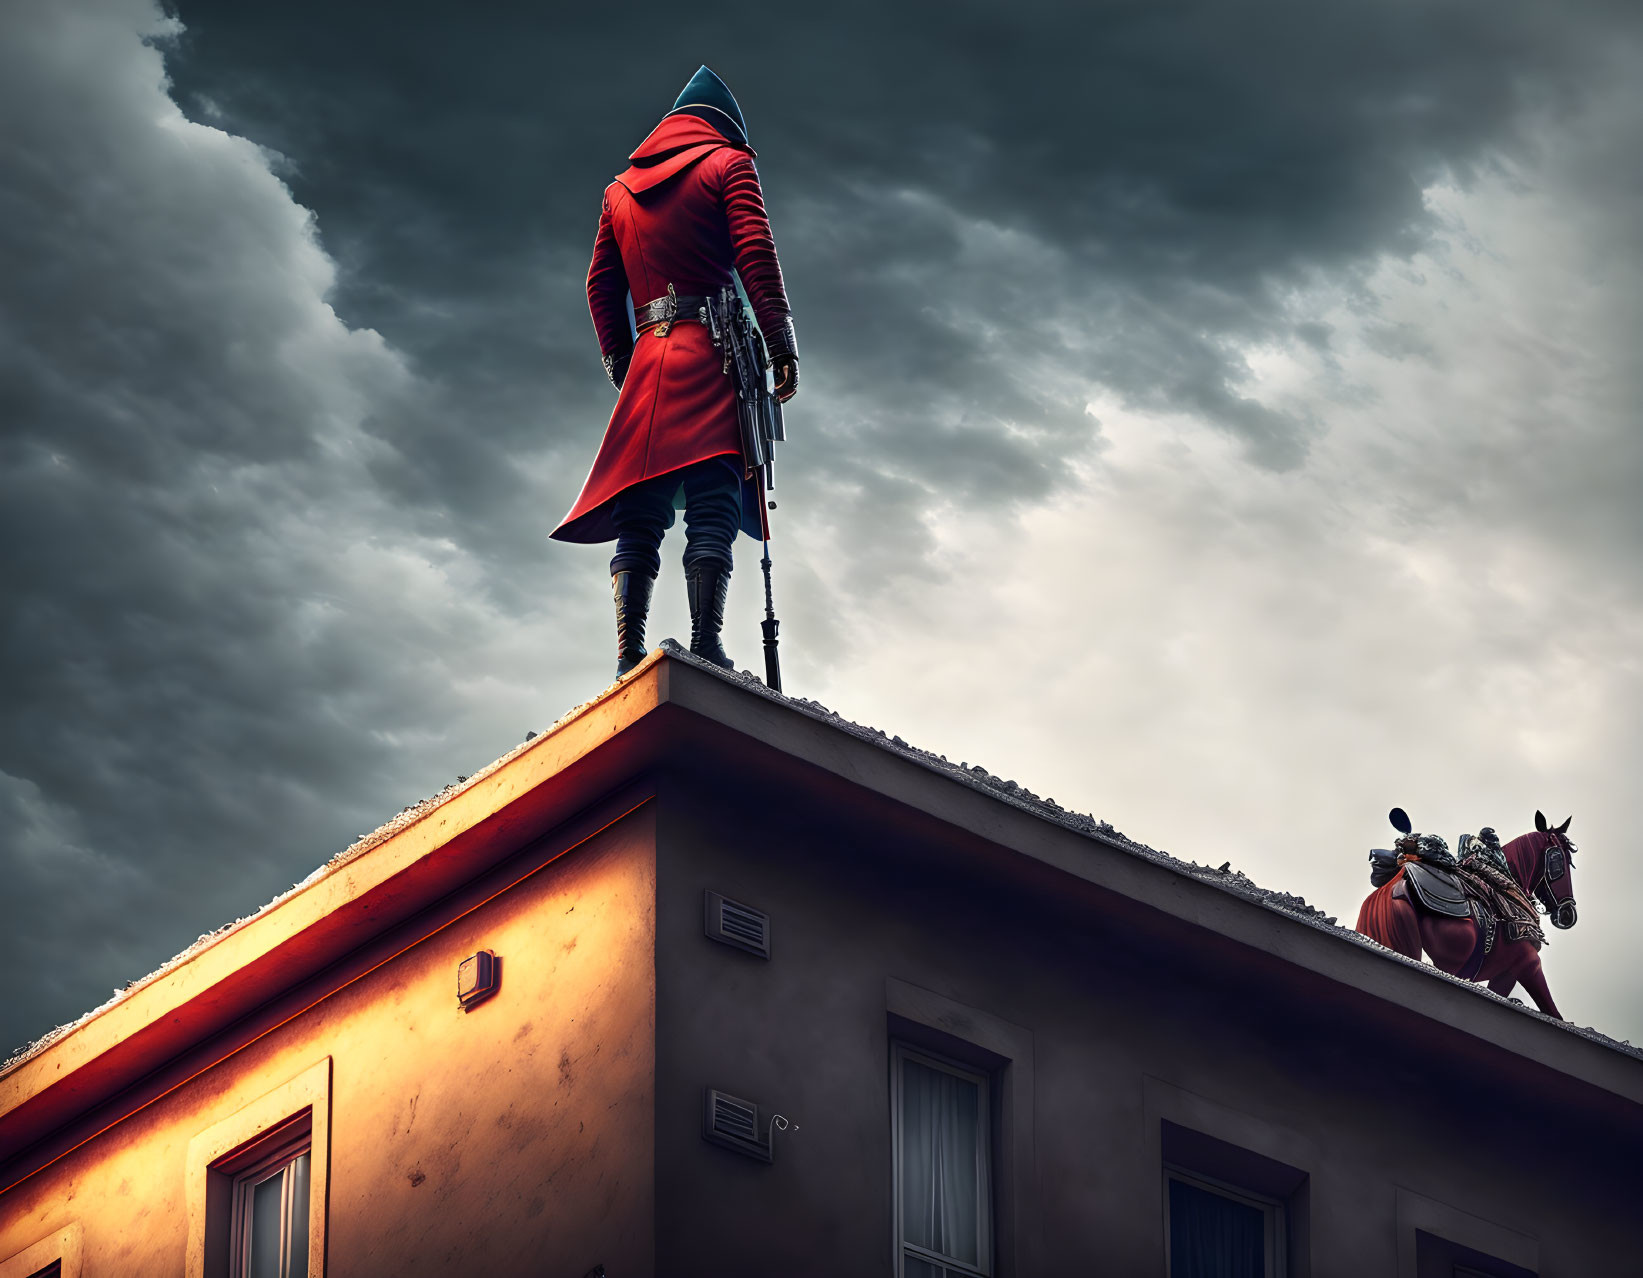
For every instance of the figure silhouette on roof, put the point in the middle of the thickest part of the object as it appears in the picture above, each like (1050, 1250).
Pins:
(673, 227)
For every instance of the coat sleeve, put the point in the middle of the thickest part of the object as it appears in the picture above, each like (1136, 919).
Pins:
(608, 291)
(755, 253)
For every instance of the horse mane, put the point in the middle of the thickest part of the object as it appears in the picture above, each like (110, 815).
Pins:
(1523, 855)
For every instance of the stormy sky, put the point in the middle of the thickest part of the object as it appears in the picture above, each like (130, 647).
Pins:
(1223, 418)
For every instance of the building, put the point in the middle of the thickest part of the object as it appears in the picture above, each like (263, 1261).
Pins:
(769, 993)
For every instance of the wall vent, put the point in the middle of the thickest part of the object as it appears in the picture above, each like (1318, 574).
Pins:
(733, 1123)
(732, 923)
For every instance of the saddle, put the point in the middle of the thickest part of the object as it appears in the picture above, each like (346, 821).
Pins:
(1434, 890)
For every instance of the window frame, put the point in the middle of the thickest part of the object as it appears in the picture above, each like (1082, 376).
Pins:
(55, 1256)
(900, 1053)
(1252, 1155)
(267, 1132)
(1434, 1252)
(1275, 1226)
(1432, 1233)
(271, 1156)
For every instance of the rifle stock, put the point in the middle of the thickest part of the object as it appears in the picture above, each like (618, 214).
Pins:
(758, 412)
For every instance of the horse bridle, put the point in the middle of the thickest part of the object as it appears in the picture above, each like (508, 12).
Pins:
(1554, 868)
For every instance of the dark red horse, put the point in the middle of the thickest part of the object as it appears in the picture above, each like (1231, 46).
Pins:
(1542, 864)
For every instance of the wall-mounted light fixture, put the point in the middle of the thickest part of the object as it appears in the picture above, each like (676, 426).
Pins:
(477, 977)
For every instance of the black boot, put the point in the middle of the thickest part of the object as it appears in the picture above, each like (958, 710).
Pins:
(632, 591)
(706, 583)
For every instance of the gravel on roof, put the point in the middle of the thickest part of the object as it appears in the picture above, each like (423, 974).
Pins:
(1224, 877)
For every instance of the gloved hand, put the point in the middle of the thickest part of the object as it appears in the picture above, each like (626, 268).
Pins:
(616, 368)
(785, 369)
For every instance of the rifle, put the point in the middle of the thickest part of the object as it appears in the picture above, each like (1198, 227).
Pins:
(759, 414)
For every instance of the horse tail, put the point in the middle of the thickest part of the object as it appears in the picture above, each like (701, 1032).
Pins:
(1381, 919)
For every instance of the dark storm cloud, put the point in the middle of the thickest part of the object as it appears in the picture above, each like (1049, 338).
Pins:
(271, 576)
(235, 612)
(1177, 166)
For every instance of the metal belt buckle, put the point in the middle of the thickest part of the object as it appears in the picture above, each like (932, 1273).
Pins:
(669, 312)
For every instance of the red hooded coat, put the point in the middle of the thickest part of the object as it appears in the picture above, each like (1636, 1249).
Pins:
(687, 212)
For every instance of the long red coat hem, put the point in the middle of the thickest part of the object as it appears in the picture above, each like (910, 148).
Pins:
(688, 214)
(596, 523)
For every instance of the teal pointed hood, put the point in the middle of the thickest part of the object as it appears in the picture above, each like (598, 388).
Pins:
(709, 98)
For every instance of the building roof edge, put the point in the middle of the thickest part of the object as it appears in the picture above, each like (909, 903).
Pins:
(478, 797)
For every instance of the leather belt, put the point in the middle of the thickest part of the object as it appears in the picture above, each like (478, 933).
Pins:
(663, 312)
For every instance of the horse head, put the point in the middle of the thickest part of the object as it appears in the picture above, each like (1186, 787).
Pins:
(1552, 875)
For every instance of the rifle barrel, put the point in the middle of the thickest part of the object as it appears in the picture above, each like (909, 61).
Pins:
(772, 658)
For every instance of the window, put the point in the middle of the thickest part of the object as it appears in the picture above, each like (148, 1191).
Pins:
(1218, 1231)
(1437, 1257)
(941, 1134)
(257, 1185)
(1436, 1240)
(269, 1212)
(1230, 1211)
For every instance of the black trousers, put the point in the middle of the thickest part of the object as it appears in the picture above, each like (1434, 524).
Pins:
(713, 516)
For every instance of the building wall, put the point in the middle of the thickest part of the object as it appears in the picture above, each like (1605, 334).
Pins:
(1110, 1033)
(512, 1139)
(558, 1125)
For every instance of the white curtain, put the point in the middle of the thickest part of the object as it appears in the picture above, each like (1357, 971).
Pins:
(276, 1224)
(940, 1144)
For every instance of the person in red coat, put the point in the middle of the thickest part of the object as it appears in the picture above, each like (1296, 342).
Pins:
(672, 229)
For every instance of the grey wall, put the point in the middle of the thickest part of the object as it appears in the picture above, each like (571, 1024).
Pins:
(1117, 1028)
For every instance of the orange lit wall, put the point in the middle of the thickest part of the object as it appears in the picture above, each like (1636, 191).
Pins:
(485, 1141)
